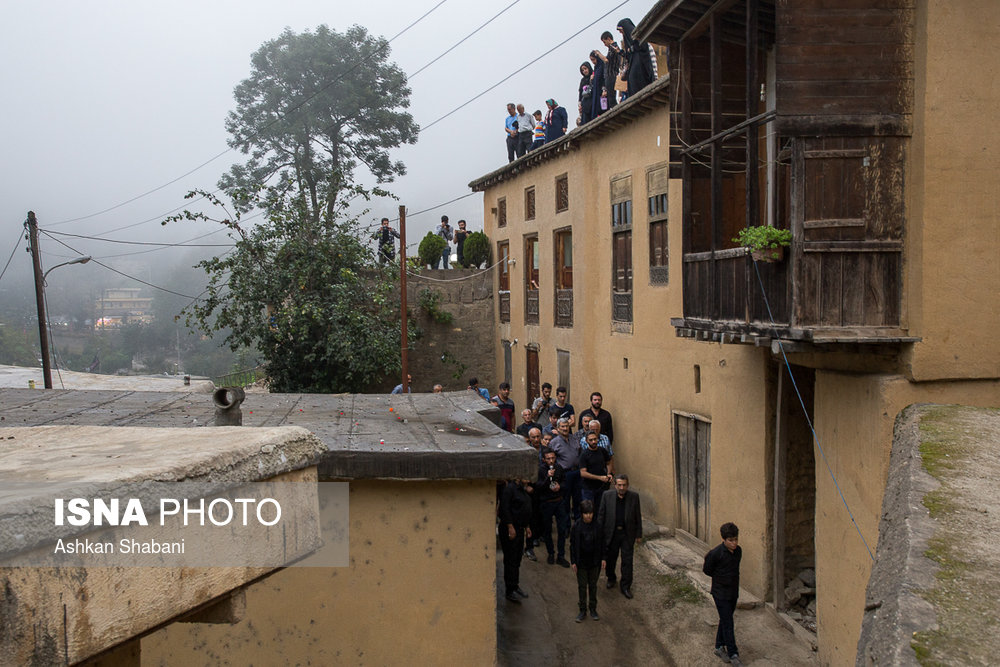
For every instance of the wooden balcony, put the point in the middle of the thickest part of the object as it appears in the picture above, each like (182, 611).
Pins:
(822, 292)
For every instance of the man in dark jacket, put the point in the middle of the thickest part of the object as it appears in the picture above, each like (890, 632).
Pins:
(620, 525)
(551, 505)
(515, 515)
(556, 121)
(723, 564)
(585, 554)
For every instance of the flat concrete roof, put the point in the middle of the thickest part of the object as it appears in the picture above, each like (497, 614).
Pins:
(18, 377)
(367, 436)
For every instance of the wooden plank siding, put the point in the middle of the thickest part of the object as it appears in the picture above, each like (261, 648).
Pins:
(850, 222)
(846, 59)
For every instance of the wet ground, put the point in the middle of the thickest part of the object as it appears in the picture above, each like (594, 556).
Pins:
(670, 621)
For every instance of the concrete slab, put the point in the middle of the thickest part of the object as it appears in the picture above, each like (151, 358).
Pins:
(367, 436)
(19, 376)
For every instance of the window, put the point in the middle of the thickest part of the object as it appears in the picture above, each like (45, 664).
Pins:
(531, 279)
(529, 203)
(562, 193)
(656, 186)
(502, 212)
(564, 277)
(621, 253)
(503, 253)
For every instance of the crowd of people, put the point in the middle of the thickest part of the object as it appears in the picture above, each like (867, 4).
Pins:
(385, 236)
(607, 79)
(578, 489)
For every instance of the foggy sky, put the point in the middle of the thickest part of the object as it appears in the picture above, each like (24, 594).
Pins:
(104, 101)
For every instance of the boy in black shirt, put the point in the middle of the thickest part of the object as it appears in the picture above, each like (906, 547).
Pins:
(585, 554)
(723, 564)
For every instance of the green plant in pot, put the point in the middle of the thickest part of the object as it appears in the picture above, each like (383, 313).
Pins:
(430, 249)
(766, 243)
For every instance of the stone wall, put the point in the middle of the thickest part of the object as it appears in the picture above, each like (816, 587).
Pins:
(464, 347)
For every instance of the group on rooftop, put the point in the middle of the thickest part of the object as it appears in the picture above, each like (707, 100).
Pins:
(607, 80)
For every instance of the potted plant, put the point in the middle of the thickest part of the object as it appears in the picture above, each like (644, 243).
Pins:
(766, 243)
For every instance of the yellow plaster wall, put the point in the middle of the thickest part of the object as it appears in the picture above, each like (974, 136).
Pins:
(952, 268)
(660, 374)
(419, 590)
(854, 418)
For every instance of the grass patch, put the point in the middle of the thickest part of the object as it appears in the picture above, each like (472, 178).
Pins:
(937, 504)
(679, 589)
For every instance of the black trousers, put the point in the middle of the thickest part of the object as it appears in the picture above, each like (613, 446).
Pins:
(524, 140)
(619, 543)
(586, 582)
(726, 634)
(511, 147)
(513, 549)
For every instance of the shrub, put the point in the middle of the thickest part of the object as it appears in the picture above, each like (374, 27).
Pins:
(430, 249)
(477, 249)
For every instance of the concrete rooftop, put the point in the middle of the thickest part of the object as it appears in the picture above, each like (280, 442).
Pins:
(367, 436)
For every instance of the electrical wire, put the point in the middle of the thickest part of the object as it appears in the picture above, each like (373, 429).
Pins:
(532, 63)
(12, 251)
(291, 110)
(788, 366)
(166, 245)
(461, 41)
(455, 280)
(138, 280)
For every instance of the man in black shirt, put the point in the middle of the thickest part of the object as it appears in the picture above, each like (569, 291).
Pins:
(601, 415)
(515, 516)
(723, 564)
(594, 471)
(551, 503)
(527, 423)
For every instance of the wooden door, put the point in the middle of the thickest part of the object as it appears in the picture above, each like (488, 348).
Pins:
(533, 382)
(692, 437)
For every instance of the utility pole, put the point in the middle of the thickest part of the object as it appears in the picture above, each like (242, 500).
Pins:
(31, 224)
(405, 345)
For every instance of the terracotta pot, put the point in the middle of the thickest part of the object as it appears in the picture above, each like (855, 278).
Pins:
(769, 255)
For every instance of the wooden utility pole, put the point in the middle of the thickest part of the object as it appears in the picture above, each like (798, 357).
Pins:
(31, 224)
(405, 344)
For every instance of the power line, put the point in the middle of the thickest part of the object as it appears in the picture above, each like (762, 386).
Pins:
(531, 63)
(12, 251)
(138, 280)
(461, 41)
(293, 109)
(153, 243)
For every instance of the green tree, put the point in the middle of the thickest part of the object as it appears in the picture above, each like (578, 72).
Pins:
(315, 106)
(430, 249)
(477, 249)
(301, 288)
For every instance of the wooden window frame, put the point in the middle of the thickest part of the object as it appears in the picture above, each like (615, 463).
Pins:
(562, 278)
(531, 273)
(502, 212)
(529, 203)
(562, 193)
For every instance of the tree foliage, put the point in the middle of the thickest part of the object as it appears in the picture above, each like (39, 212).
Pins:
(430, 249)
(477, 249)
(315, 106)
(301, 288)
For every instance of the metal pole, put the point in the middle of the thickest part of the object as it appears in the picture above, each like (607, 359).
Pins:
(36, 262)
(405, 344)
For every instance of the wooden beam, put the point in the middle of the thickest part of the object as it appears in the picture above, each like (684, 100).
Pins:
(709, 19)
(778, 516)
(715, 57)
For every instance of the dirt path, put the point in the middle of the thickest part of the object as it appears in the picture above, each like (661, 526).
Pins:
(669, 622)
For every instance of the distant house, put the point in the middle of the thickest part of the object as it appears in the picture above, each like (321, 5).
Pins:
(123, 305)
(860, 128)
